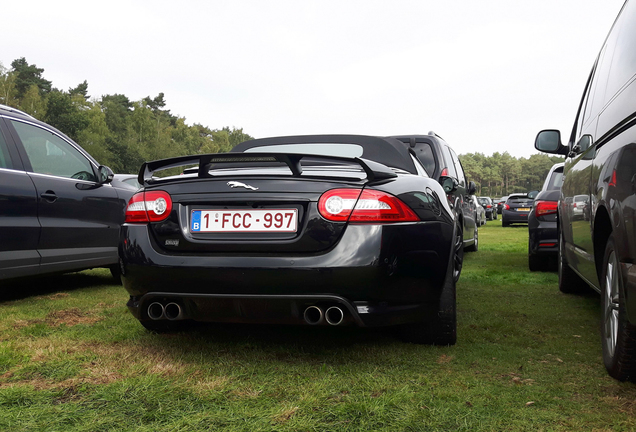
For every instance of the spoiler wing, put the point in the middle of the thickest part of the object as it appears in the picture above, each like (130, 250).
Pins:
(208, 162)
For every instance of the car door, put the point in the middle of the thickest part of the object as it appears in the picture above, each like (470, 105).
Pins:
(79, 217)
(19, 226)
(577, 194)
(468, 205)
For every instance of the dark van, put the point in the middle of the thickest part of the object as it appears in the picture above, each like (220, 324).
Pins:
(597, 206)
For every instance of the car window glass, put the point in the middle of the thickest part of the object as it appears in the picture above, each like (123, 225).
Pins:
(600, 81)
(458, 168)
(5, 159)
(450, 166)
(418, 167)
(556, 180)
(623, 62)
(425, 155)
(591, 89)
(326, 149)
(50, 154)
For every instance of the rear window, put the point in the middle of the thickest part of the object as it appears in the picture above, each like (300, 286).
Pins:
(484, 201)
(326, 149)
(425, 155)
(518, 199)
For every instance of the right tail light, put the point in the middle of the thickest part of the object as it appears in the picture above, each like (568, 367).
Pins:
(542, 208)
(364, 206)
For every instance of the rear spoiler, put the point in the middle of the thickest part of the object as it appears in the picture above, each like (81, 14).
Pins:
(375, 171)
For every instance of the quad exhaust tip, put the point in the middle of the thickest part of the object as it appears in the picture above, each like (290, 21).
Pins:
(313, 315)
(173, 311)
(334, 315)
(156, 311)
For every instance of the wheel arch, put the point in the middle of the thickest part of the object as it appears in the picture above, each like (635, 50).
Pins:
(602, 231)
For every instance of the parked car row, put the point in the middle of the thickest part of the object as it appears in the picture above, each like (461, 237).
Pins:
(332, 229)
(318, 230)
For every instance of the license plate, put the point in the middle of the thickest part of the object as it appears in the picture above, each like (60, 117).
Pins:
(523, 209)
(283, 220)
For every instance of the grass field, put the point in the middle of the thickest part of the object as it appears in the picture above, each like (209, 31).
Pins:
(527, 358)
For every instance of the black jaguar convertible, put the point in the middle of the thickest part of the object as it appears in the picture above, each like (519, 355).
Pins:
(314, 230)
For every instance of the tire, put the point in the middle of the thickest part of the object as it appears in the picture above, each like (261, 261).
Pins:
(458, 247)
(494, 215)
(569, 281)
(618, 336)
(475, 246)
(115, 273)
(439, 327)
(504, 223)
(536, 262)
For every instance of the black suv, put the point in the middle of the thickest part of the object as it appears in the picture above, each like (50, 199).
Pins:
(489, 207)
(59, 211)
(441, 162)
(597, 206)
(542, 223)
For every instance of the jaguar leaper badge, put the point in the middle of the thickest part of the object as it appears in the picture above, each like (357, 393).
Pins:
(235, 184)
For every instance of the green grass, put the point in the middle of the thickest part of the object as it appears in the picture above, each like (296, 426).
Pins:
(527, 358)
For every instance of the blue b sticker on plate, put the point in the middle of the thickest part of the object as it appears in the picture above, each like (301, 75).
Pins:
(195, 221)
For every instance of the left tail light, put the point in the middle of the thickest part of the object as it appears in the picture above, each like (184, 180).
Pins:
(366, 206)
(542, 208)
(145, 207)
(506, 206)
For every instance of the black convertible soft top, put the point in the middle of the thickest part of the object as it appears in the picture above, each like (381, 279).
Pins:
(387, 151)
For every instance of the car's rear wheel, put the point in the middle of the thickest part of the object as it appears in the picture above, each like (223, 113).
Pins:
(458, 250)
(536, 262)
(439, 326)
(618, 335)
(569, 281)
(115, 273)
(504, 222)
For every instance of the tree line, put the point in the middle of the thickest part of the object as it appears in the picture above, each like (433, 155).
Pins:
(115, 130)
(502, 174)
(123, 134)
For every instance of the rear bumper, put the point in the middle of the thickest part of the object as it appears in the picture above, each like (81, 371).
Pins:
(277, 309)
(514, 216)
(390, 271)
(542, 237)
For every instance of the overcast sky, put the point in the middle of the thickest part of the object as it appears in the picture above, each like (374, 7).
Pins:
(486, 75)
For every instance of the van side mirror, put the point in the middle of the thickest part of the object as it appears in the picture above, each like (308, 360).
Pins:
(549, 141)
(449, 184)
